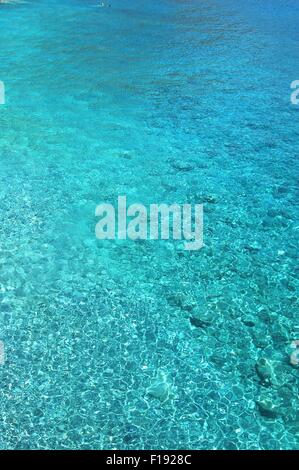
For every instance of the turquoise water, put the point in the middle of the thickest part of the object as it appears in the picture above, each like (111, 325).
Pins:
(143, 345)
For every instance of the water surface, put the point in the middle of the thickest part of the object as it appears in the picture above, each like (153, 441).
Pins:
(142, 345)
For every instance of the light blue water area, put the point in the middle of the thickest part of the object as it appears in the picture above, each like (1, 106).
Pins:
(142, 345)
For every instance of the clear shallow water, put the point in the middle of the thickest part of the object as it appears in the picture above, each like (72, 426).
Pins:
(142, 345)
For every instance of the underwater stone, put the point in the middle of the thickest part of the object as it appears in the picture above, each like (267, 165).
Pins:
(182, 301)
(294, 356)
(248, 320)
(279, 332)
(253, 247)
(267, 408)
(265, 371)
(160, 388)
(125, 154)
(201, 319)
(209, 198)
(261, 340)
(182, 165)
(269, 405)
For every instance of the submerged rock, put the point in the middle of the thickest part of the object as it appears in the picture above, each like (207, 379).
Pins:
(201, 319)
(265, 370)
(267, 408)
(253, 247)
(183, 301)
(248, 320)
(294, 356)
(182, 165)
(209, 198)
(161, 388)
